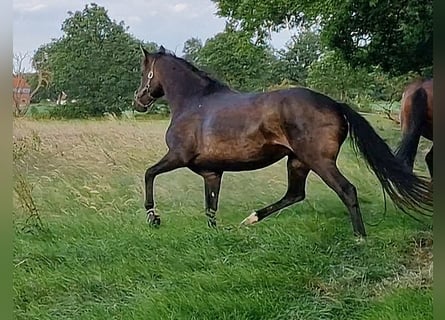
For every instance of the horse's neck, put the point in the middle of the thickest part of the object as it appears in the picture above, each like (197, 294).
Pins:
(182, 86)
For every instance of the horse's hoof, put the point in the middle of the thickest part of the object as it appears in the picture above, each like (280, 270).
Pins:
(253, 218)
(155, 222)
(360, 240)
(153, 219)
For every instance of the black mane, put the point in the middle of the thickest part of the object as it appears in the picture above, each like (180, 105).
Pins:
(214, 84)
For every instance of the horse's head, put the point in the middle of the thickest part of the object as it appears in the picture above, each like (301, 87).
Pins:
(150, 88)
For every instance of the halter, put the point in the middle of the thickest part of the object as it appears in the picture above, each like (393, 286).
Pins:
(147, 85)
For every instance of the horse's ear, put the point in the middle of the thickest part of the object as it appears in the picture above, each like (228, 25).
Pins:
(143, 50)
(161, 49)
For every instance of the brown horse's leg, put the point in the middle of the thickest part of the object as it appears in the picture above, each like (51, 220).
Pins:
(167, 163)
(212, 184)
(328, 171)
(429, 161)
(296, 176)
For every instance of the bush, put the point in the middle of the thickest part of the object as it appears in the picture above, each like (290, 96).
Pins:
(69, 111)
(160, 107)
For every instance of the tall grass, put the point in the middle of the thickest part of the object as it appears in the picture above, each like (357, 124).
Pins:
(94, 257)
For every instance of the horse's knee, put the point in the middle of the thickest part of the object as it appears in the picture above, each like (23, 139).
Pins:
(349, 189)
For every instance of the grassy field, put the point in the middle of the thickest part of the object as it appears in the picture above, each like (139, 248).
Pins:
(92, 256)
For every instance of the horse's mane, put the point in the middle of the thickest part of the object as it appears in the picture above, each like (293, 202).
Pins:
(214, 84)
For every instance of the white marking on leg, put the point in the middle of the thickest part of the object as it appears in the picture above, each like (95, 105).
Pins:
(212, 194)
(251, 219)
(150, 213)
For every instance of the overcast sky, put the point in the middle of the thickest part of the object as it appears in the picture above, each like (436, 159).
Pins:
(166, 22)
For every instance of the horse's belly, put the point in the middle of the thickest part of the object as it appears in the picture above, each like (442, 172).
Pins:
(239, 157)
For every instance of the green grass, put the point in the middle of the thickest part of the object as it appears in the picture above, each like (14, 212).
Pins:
(403, 304)
(96, 258)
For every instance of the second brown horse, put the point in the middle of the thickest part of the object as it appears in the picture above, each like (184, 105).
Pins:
(416, 119)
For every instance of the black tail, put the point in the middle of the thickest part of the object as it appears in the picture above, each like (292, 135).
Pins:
(407, 191)
(412, 130)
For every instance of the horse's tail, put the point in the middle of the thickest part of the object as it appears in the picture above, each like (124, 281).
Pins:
(412, 128)
(407, 191)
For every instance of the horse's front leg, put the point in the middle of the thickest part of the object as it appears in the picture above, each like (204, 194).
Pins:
(168, 163)
(212, 184)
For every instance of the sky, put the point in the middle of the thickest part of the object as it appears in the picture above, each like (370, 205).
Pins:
(167, 22)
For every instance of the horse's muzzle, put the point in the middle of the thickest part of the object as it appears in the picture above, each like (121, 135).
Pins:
(139, 106)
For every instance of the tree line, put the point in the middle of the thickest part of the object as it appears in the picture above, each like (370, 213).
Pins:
(356, 51)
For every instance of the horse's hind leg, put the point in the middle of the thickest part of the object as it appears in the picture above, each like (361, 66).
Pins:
(328, 171)
(407, 150)
(429, 161)
(296, 175)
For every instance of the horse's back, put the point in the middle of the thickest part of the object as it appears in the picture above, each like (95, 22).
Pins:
(300, 107)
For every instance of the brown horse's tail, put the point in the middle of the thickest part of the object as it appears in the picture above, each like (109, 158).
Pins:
(412, 129)
(407, 191)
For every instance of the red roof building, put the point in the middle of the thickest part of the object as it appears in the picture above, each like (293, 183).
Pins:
(21, 91)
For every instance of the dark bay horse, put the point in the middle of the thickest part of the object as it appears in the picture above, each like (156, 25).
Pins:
(215, 129)
(416, 120)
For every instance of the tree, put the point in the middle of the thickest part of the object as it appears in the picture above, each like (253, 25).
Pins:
(96, 62)
(233, 57)
(42, 67)
(299, 53)
(336, 78)
(191, 49)
(396, 35)
(41, 80)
